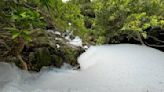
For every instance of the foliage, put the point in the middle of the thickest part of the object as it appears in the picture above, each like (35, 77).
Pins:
(105, 20)
(140, 22)
(66, 16)
(45, 3)
(23, 20)
(114, 16)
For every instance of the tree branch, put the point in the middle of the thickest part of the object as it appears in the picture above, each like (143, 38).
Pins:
(156, 39)
(154, 45)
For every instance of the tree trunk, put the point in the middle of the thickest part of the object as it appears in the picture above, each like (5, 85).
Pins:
(140, 38)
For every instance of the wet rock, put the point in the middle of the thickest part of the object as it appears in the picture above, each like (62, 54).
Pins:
(41, 57)
(50, 51)
(47, 48)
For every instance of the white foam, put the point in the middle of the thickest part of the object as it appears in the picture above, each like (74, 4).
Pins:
(77, 41)
(64, 1)
(109, 68)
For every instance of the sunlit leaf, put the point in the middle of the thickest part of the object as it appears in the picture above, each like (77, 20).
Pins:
(24, 15)
(14, 36)
(26, 32)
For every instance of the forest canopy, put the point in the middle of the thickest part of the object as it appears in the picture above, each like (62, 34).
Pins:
(103, 20)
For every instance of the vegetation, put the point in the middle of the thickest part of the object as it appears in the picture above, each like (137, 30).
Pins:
(95, 21)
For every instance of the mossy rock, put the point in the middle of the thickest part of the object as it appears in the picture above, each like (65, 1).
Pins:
(71, 53)
(41, 57)
(57, 61)
(44, 50)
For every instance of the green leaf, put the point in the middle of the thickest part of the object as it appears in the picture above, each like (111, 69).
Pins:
(14, 17)
(16, 35)
(146, 25)
(26, 32)
(144, 34)
(27, 38)
(24, 15)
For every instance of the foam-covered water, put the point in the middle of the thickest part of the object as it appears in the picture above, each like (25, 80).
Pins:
(109, 68)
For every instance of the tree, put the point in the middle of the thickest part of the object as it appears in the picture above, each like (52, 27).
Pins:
(22, 22)
(113, 16)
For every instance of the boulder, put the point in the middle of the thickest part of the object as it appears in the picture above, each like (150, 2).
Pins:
(49, 48)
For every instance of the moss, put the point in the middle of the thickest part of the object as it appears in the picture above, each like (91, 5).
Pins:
(71, 54)
(58, 61)
(41, 57)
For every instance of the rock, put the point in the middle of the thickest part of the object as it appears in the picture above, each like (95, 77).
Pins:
(57, 61)
(37, 59)
(51, 52)
(47, 48)
(41, 57)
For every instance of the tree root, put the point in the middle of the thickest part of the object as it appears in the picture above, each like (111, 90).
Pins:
(154, 45)
(23, 63)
